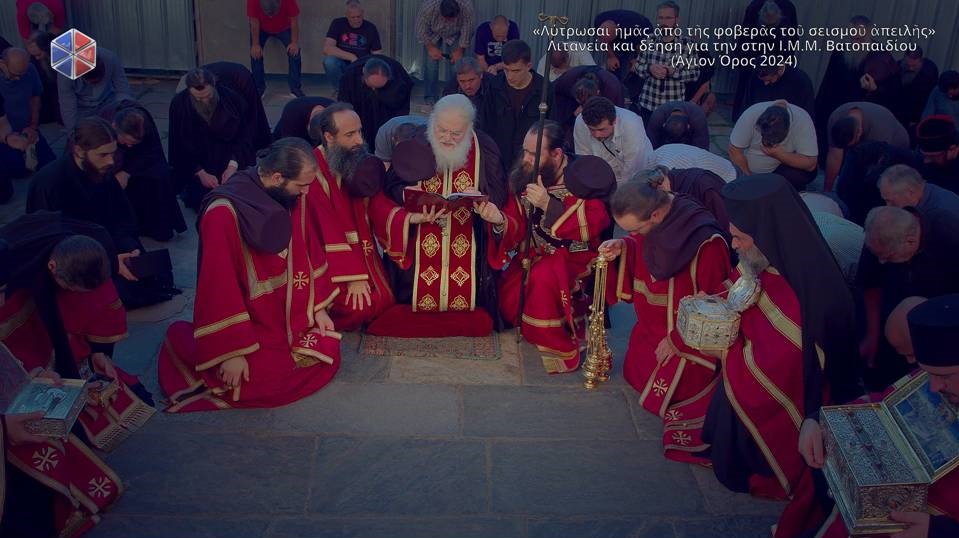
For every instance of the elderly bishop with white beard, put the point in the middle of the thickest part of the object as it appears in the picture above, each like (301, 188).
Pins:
(442, 279)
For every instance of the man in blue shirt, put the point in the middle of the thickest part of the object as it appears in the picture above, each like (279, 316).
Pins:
(488, 44)
(104, 85)
(24, 150)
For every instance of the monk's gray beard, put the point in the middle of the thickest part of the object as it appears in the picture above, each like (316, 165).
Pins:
(208, 108)
(343, 161)
(447, 161)
(753, 262)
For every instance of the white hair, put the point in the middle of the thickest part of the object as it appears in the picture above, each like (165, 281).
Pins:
(454, 159)
(455, 102)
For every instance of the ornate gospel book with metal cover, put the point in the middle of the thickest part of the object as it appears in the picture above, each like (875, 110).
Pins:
(19, 393)
(882, 457)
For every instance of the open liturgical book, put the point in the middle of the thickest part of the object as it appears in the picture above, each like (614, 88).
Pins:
(415, 199)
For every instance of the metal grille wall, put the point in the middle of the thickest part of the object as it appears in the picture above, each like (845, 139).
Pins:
(159, 34)
(146, 34)
(942, 15)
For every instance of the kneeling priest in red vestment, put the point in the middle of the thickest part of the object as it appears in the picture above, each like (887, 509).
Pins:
(675, 248)
(567, 206)
(261, 335)
(796, 344)
(349, 212)
(63, 312)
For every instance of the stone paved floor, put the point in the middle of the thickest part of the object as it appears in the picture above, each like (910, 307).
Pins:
(404, 448)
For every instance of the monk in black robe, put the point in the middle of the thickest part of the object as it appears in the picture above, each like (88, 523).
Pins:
(38, 45)
(856, 76)
(296, 116)
(143, 171)
(919, 76)
(939, 146)
(81, 185)
(379, 89)
(774, 14)
(239, 79)
(210, 137)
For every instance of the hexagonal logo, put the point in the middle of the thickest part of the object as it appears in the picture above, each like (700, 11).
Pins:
(73, 54)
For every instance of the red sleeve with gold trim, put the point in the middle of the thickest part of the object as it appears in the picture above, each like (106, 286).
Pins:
(221, 321)
(345, 261)
(324, 290)
(391, 226)
(619, 275)
(96, 317)
(581, 220)
(709, 270)
(513, 234)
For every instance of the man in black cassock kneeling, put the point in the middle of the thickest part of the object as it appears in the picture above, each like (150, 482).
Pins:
(210, 137)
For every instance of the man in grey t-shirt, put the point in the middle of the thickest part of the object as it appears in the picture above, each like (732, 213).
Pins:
(775, 137)
(393, 132)
(860, 121)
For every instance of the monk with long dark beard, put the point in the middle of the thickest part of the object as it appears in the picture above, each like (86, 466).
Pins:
(261, 335)
(345, 209)
(567, 205)
(211, 135)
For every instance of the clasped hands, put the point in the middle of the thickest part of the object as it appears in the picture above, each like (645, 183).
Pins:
(22, 140)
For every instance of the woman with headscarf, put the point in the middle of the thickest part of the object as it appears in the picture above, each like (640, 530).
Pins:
(796, 345)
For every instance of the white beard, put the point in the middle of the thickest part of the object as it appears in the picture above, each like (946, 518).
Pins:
(449, 160)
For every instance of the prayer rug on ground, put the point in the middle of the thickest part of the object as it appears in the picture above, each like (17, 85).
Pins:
(483, 348)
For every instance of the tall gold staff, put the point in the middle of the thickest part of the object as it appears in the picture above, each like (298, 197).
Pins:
(553, 20)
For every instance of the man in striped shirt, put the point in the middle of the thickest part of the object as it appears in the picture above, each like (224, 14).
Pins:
(665, 78)
(444, 27)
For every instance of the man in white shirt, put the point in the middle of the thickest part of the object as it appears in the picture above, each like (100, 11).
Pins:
(561, 61)
(615, 135)
(683, 156)
(775, 137)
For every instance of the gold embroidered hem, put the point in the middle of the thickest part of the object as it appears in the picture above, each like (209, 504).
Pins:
(226, 356)
(349, 278)
(220, 325)
(107, 339)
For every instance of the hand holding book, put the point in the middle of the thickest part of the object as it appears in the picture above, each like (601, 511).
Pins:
(415, 199)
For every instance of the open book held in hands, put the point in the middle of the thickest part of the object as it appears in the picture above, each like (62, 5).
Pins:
(415, 199)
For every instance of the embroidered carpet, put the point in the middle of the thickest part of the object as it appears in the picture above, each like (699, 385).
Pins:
(485, 348)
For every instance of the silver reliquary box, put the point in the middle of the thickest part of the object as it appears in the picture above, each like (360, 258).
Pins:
(882, 457)
(711, 323)
(19, 393)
